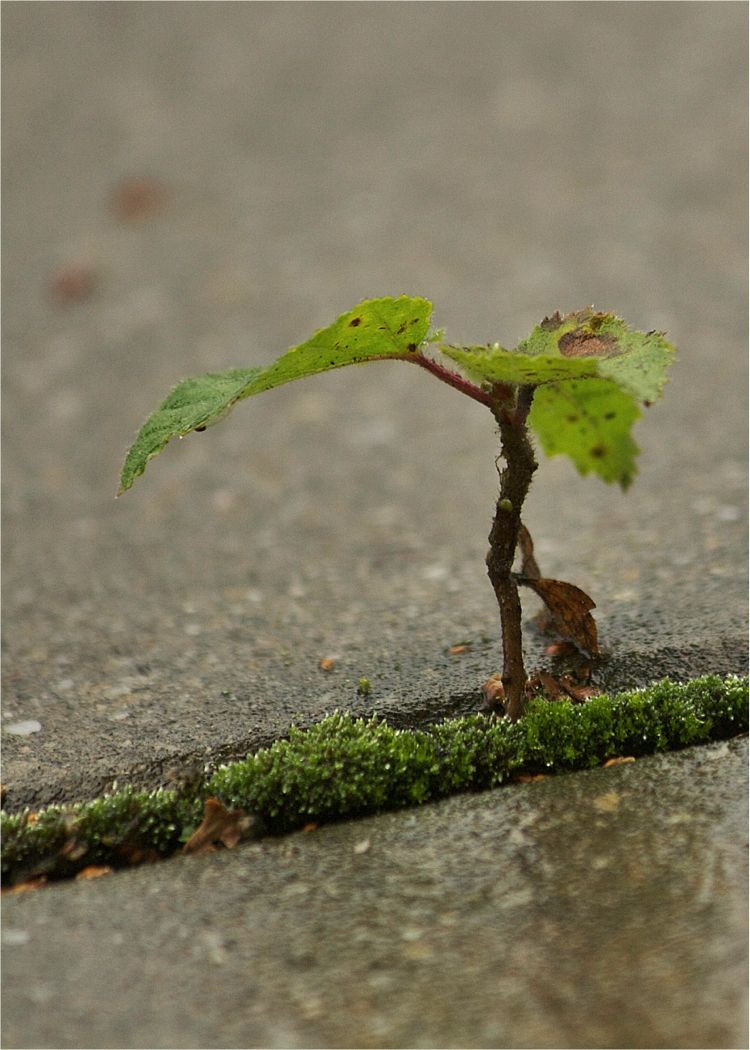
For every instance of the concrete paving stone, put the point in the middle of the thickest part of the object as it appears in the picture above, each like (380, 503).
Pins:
(602, 909)
(504, 160)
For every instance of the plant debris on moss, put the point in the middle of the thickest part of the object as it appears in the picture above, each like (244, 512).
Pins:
(346, 767)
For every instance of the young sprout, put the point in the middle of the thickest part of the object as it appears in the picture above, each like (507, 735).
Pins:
(578, 382)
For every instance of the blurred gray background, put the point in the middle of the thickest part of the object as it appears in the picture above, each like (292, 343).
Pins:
(192, 187)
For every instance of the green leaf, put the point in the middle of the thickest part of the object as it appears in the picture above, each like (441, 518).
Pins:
(590, 421)
(590, 372)
(492, 364)
(580, 345)
(376, 329)
(193, 405)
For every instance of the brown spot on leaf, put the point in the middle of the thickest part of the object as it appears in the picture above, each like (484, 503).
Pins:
(598, 451)
(582, 342)
(355, 322)
(219, 825)
(412, 347)
(402, 328)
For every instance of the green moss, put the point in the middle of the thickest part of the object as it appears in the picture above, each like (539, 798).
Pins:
(347, 767)
(339, 767)
(117, 829)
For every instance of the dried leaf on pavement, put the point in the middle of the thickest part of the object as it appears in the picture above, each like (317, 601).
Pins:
(227, 826)
(561, 687)
(494, 692)
(137, 198)
(94, 871)
(27, 886)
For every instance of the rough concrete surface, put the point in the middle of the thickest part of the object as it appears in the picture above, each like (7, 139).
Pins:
(504, 160)
(605, 909)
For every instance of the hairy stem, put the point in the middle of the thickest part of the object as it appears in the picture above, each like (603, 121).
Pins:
(515, 479)
(452, 379)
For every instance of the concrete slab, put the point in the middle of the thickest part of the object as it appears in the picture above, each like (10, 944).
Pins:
(602, 909)
(502, 159)
(312, 156)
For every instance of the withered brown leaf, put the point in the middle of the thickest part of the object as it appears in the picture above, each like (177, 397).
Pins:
(494, 693)
(34, 883)
(529, 567)
(227, 826)
(562, 687)
(93, 871)
(570, 609)
(544, 680)
(561, 649)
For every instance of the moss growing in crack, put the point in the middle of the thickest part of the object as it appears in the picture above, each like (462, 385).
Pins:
(339, 767)
(346, 767)
(118, 829)
(665, 716)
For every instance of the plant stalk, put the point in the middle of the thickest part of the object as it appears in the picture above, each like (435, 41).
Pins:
(457, 381)
(515, 479)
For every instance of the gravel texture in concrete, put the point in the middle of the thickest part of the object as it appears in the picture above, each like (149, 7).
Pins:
(193, 187)
(603, 909)
(305, 157)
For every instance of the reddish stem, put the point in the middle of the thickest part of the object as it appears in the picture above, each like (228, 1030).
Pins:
(452, 379)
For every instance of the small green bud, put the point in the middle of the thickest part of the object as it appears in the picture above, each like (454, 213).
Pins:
(363, 687)
(506, 505)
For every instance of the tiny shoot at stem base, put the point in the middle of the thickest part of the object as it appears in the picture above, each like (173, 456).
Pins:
(579, 382)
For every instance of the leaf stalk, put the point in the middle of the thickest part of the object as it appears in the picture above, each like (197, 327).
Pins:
(453, 379)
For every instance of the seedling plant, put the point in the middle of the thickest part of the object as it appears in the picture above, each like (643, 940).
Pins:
(578, 382)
